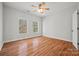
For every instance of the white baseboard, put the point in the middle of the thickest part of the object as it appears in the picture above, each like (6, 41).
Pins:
(1, 45)
(37, 36)
(13, 40)
(58, 38)
(19, 39)
(0, 49)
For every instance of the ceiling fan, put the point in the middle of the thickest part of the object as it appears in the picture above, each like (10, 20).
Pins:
(42, 7)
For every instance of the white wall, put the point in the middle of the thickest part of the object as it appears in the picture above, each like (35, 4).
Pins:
(59, 25)
(1, 25)
(78, 22)
(11, 24)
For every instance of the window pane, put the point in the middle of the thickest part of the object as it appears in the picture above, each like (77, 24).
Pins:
(35, 27)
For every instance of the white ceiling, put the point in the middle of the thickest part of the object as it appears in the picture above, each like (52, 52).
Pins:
(54, 6)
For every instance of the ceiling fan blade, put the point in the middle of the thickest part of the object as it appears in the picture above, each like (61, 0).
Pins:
(39, 6)
(34, 10)
(34, 6)
(45, 8)
(44, 4)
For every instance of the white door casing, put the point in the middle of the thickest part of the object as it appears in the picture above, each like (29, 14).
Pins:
(74, 29)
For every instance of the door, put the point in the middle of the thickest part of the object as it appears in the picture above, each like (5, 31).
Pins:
(74, 29)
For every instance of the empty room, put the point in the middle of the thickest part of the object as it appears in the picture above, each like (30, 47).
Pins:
(39, 28)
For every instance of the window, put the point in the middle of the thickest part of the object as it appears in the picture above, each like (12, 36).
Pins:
(22, 26)
(35, 26)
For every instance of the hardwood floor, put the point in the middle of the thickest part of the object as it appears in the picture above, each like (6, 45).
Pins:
(39, 46)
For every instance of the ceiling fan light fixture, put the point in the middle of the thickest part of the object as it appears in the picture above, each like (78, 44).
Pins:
(41, 8)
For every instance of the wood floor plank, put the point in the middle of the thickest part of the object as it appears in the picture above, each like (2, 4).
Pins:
(39, 46)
